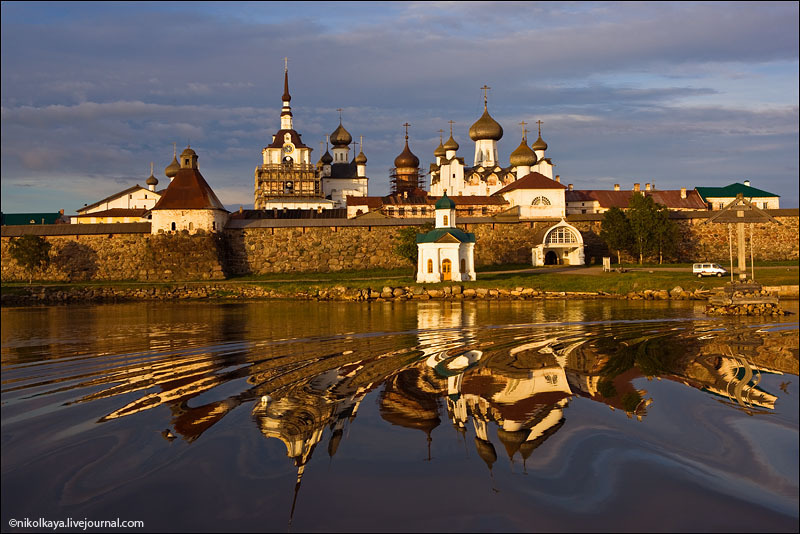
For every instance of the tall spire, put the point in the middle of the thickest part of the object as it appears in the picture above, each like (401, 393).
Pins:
(286, 110)
(286, 96)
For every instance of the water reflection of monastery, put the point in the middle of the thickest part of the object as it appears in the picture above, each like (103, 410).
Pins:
(509, 385)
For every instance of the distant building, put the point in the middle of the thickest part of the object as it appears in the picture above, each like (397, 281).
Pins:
(129, 205)
(560, 244)
(188, 203)
(602, 200)
(535, 196)
(15, 219)
(717, 198)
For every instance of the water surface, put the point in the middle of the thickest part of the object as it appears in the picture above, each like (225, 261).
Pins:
(398, 416)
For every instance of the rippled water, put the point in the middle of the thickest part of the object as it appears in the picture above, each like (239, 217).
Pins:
(464, 416)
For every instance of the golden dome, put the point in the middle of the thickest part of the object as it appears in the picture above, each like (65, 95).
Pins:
(341, 137)
(523, 155)
(361, 159)
(539, 144)
(486, 128)
(406, 158)
(172, 169)
(440, 151)
(451, 143)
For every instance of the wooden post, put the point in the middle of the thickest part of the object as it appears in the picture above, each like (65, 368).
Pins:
(742, 262)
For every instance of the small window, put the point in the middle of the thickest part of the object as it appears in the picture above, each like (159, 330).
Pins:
(445, 220)
(463, 265)
(173, 226)
(191, 226)
(213, 225)
(430, 266)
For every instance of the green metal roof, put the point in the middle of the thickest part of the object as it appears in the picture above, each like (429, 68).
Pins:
(434, 235)
(445, 203)
(732, 190)
(11, 219)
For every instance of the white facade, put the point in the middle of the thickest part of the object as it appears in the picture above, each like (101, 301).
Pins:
(299, 203)
(561, 245)
(132, 198)
(191, 220)
(340, 188)
(765, 203)
(448, 253)
(537, 203)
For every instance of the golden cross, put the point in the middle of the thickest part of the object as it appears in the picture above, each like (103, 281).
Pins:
(539, 122)
(340, 114)
(285, 63)
(451, 127)
(524, 132)
(360, 143)
(151, 168)
(406, 126)
(485, 88)
(175, 150)
(441, 133)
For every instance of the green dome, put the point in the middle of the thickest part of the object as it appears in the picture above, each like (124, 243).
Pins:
(445, 203)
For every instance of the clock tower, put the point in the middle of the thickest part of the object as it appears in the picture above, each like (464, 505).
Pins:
(286, 176)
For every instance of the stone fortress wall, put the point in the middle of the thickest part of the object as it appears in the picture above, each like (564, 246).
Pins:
(130, 252)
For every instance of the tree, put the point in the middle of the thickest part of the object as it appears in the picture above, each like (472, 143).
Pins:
(615, 230)
(30, 252)
(406, 241)
(666, 233)
(643, 218)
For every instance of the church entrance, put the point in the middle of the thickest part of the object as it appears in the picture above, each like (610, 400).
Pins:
(551, 258)
(446, 268)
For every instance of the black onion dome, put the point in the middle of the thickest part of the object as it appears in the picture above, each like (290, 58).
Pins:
(406, 158)
(152, 180)
(486, 128)
(523, 155)
(326, 158)
(341, 137)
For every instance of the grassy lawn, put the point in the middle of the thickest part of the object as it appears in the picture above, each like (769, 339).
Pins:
(579, 279)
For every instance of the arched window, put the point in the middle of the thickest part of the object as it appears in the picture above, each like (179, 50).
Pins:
(191, 225)
(541, 201)
(561, 235)
(430, 266)
(463, 265)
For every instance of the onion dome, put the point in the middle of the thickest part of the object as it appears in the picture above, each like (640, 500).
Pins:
(452, 145)
(172, 169)
(152, 180)
(523, 155)
(361, 159)
(440, 150)
(445, 203)
(406, 158)
(486, 128)
(326, 158)
(341, 137)
(188, 152)
(539, 144)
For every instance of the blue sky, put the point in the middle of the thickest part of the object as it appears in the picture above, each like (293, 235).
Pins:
(680, 94)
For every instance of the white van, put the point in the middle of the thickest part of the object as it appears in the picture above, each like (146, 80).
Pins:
(707, 269)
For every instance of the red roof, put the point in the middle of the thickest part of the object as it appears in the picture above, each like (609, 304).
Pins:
(278, 141)
(115, 212)
(619, 199)
(189, 190)
(533, 180)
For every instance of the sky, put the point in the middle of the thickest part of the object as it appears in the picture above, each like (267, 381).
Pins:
(682, 94)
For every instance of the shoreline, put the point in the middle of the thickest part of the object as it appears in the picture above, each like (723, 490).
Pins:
(223, 292)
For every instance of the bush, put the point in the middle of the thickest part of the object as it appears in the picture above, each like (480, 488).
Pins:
(30, 252)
